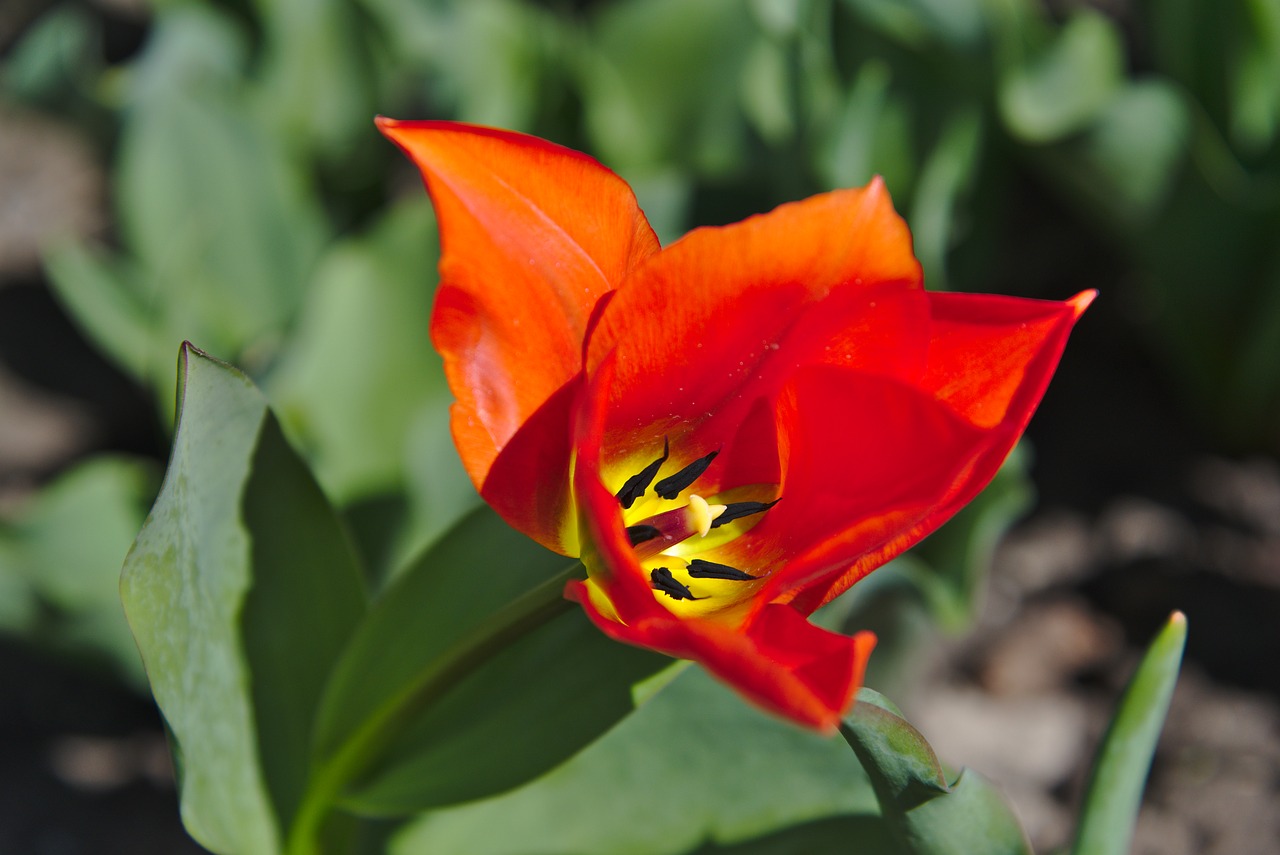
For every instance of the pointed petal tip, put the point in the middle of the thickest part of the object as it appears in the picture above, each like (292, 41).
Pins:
(1081, 301)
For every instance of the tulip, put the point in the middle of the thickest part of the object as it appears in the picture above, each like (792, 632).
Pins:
(728, 431)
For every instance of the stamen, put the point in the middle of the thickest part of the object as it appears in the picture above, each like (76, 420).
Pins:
(700, 569)
(638, 534)
(738, 510)
(669, 488)
(663, 581)
(702, 516)
(636, 485)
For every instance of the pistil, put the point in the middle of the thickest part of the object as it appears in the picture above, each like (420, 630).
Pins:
(662, 531)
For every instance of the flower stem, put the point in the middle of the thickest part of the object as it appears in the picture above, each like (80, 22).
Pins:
(365, 745)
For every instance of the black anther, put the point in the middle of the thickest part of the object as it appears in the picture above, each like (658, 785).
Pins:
(700, 569)
(663, 581)
(738, 510)
(639, 482)
(669, 488)
(638, 534)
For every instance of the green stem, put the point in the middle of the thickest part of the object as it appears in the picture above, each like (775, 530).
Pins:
(366, 744)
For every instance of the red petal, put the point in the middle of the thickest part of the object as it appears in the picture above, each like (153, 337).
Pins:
(782, 663)
(991, 357)
(779, 661)
(722, 316)
(871, 459)
(532, 236)
(990, 360)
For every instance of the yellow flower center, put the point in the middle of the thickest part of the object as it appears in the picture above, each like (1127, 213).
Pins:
(676, 539)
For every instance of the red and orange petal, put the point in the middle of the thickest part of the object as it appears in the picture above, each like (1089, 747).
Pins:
(1009, 348)
(532, 236)
(724, 314)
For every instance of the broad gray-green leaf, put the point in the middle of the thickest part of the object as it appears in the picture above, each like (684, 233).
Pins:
(928, 815)
(240, 590)
(1115, 786)
(693, 764)
(470, 675)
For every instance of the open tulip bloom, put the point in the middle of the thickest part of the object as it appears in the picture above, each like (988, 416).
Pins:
(729, 431)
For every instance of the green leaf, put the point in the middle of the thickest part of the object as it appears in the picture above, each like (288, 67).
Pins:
(1120, 771)
(240, 590)
(189, 47)
(222, 225)
(55, 60)
(462, 681)
(77, 579)
(1063, 90)
(1124, 165)
(693, 764)
(211, 206)
(861, 834)
(767, 87)
(316, 83)
(658, 79)
(973, 817)
(927, 815)
(847, 155)
(101, 293)
(439, 491)
(944, 178)
(525, 711)
(951, 565)
(490, 61)
(904, 771)
(923, 24)
(359, 369)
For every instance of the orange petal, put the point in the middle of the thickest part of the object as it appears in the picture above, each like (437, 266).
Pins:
(723, 315)
(532, 235)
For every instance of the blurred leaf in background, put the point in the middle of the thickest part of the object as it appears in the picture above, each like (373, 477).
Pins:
(60, 562)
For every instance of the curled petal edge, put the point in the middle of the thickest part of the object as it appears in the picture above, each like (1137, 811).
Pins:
(780, 662)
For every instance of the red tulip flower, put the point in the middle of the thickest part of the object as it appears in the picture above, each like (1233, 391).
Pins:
(729, 431)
